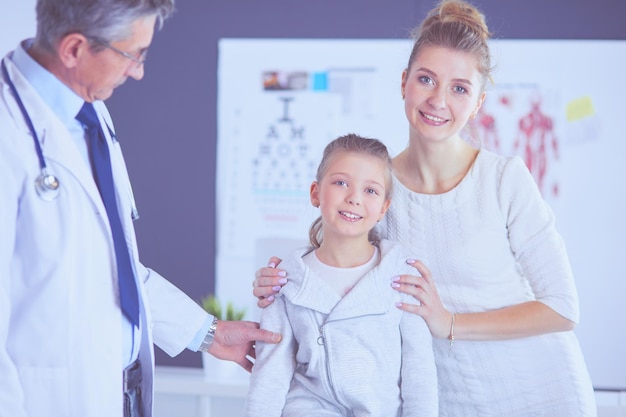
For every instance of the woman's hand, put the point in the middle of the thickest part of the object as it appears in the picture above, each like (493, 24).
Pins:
(430, 307)
(526, 319)
(268, 281)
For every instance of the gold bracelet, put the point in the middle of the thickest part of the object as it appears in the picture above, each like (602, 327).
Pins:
(451, 335)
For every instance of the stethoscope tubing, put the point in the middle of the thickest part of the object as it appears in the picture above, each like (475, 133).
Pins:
(47, 185)
(29, 122)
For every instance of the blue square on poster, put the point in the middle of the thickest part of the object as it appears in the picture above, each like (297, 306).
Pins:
(320, 81)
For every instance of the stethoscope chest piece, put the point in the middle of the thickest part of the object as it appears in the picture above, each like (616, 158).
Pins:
(47, 186)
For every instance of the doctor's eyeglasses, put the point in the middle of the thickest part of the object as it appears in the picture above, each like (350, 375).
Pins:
(138, 60)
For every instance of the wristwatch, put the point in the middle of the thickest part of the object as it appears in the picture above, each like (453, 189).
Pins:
(208, 338)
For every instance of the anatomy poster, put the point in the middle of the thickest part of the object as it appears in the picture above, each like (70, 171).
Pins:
(555, 104)
(521, 119)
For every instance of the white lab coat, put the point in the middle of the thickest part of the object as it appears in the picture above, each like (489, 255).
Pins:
(60, 321)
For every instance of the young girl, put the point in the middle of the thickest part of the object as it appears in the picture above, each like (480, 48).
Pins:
(347, 349)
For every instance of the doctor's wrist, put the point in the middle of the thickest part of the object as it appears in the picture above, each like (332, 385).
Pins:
(208, 338)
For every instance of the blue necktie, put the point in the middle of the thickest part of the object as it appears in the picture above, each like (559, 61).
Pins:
(101, 165)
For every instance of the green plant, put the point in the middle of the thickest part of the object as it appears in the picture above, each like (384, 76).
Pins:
(212, 305)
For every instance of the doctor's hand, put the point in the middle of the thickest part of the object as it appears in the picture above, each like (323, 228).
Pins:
(234, 341)
(268, 281)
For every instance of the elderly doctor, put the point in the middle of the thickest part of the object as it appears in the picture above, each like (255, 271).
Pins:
(78, 311)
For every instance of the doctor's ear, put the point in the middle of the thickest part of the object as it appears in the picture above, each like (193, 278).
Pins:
(72, 48)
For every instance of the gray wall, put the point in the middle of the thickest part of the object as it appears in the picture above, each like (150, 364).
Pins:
(167, 122)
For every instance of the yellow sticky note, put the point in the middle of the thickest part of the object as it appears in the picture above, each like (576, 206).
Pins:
(579, 109)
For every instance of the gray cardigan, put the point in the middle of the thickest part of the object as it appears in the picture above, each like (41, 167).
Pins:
(356, 355)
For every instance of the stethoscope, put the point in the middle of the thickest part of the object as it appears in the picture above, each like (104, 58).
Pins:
(47, 185)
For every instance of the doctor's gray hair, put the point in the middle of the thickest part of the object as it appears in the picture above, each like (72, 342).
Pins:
(102, 20)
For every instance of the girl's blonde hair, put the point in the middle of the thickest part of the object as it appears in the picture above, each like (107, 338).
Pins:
(354, 144)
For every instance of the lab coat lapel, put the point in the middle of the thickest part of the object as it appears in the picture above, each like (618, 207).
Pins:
(123, 189)
(56, 142)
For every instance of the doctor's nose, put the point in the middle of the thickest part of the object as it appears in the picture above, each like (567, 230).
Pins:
(136, 71)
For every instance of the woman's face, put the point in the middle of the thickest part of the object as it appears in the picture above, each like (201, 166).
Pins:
(442, 89)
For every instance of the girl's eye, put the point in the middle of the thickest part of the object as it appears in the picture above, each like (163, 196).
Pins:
(341, 182)
(460, 89)
(371, 191)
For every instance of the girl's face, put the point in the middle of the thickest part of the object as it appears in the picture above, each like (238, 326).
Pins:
(442, 90)
(351, 195)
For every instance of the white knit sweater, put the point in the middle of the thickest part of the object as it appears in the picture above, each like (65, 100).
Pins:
(491, 242)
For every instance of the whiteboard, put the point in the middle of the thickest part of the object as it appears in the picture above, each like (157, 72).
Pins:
(558, 104)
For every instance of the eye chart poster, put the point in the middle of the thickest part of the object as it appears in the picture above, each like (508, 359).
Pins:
(556, 104)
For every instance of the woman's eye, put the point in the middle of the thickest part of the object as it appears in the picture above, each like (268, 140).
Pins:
(426, 80)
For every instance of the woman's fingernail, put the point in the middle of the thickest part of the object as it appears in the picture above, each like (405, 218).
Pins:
(395, 285)
(398, 305)
(395, 278)
(282, 274)
(411, 261)
(276, 288)
(272, 265)
(270, 298)
(282, 281)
